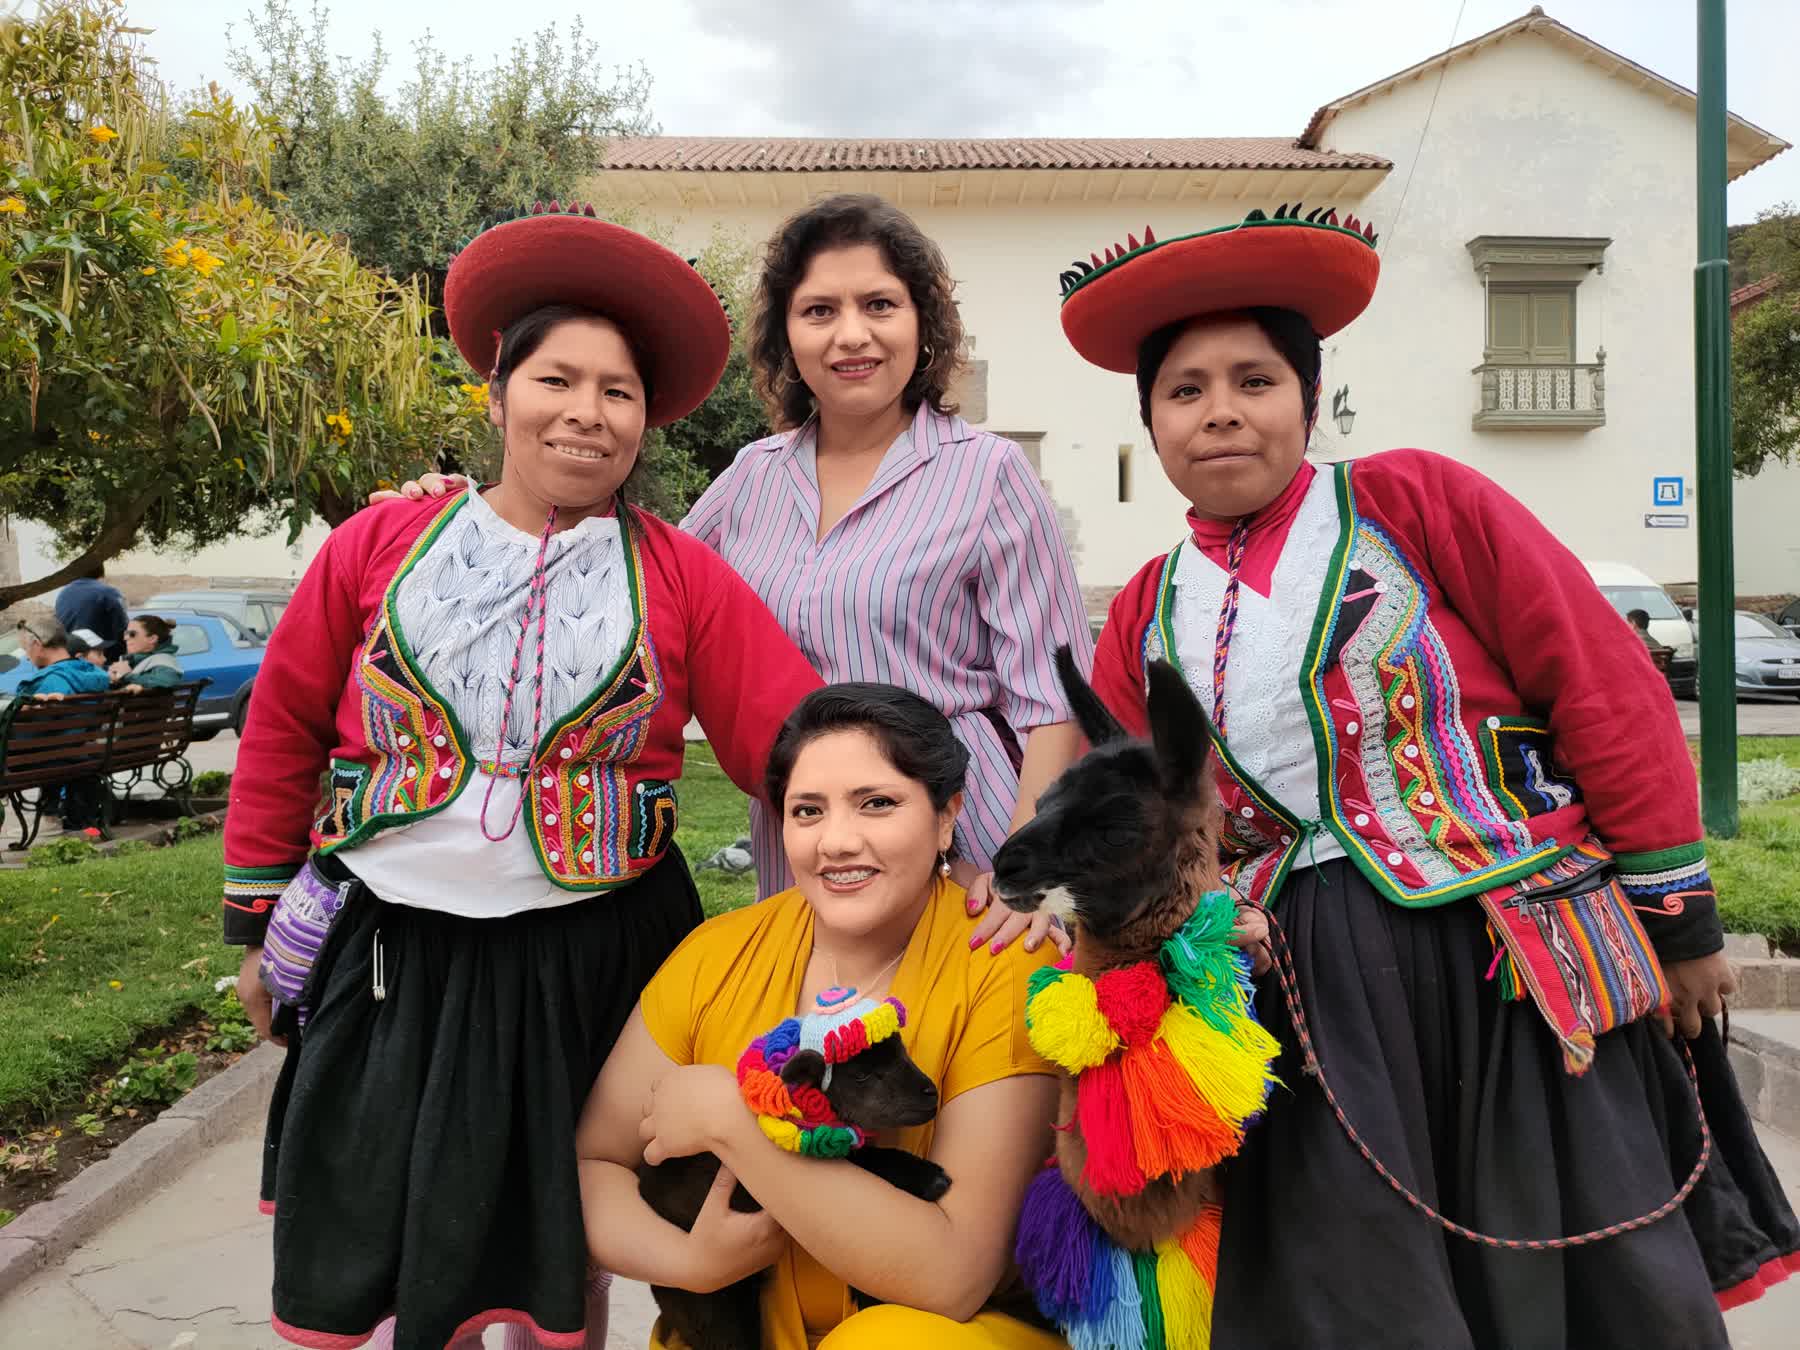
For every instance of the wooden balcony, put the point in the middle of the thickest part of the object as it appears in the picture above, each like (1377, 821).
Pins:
(1542, 397)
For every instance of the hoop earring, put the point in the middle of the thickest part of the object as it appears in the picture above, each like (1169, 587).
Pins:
(926, 357)
(787, 380)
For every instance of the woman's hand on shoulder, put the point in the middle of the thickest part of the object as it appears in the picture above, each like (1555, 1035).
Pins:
(425, 485)
(686, 1110)
(1000, 927)
(726, 1245)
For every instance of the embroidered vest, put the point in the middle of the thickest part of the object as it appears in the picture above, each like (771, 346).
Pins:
(593, 823)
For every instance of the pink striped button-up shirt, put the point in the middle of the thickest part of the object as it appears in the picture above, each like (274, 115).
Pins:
(949, 577)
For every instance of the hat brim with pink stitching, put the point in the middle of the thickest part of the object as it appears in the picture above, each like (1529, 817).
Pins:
(568, 256)
(1316, 265)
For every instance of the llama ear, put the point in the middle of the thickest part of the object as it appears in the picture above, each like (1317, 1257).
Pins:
(804, 1068)
(1097, 724)
(1180, 730)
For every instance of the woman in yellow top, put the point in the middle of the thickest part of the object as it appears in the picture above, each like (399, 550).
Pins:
(869, 781)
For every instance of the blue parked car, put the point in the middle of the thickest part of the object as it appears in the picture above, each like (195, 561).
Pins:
(209, 646)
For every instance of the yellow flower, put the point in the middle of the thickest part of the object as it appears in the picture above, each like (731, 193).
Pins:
(148, 271)
(324, 316)
(340, 424)
(115, 984)
(206, 263)
(176, 254)
(102, 133)
(477, 394)
(12, 206)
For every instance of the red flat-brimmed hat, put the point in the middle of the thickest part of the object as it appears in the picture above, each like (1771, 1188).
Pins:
(566, 255)
(1314, 264)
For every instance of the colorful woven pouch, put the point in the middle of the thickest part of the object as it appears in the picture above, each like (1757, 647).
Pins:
(298, 926)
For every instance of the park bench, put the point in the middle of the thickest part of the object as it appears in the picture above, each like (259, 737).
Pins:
(122, 738)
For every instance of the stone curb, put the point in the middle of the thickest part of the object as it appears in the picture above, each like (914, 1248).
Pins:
(1768, 1074)
(1767, 983)
(51, 1229)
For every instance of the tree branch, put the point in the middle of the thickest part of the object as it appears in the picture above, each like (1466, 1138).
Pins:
(115, 534)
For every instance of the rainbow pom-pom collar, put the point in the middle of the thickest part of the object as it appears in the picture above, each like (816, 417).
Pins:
(799, 1118)
(1170, 1067)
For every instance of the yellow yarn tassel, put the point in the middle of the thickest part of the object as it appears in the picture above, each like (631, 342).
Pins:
(1229, 1069)
(1187, 1302)
(1064, 1024)
(881, 1023)
(783, 1134)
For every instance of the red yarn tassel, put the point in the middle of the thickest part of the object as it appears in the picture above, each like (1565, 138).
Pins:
(1106, 1129)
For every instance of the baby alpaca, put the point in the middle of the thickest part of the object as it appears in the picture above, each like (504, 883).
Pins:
(1150, 1019)
(820, 1085)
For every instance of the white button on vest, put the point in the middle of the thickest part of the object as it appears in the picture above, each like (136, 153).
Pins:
(567, 753)
(549, 817)
(1351, 728)
(406, 742)
(546, 782)
(440, 741)
(1412, 752)
(555, 856)
(1394, 859)
(1427, 799)
(587, 817)
(582, 781)
(412, 770)
(1246, 812)
(1286, 839)
(587, 856)
(445, 772)
(1408, 701)
(1493, 724)
(1361, 820)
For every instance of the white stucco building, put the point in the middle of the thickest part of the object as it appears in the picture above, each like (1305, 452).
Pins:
(1549, 216)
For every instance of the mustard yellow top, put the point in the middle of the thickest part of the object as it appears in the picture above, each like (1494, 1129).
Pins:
(738, 975)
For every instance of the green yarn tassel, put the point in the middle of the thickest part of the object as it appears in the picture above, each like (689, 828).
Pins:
(1143, 1265)
(1202, 965)
(827, 1141)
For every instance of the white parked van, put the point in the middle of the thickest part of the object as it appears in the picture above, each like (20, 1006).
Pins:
(1630, 589)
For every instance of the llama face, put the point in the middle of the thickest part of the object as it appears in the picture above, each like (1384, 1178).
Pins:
(879, 1088)
(1127, 833)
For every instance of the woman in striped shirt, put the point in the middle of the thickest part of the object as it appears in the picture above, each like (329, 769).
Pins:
(893, 541)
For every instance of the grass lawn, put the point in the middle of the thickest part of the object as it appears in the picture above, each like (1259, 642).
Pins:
(1758, 873)
(94, 955)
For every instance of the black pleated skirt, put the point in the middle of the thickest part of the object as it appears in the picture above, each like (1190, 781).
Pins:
(1465, 1098)
(420, 1156)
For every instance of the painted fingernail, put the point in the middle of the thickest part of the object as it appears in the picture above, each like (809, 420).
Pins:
(974, 942)
(997, 948)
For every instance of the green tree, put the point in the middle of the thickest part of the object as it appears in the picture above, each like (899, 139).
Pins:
(177, 362)
(406, 180)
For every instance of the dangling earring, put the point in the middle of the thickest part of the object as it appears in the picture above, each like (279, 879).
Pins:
(943, 863)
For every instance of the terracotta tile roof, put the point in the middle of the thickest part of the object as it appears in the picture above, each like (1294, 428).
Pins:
(794, 154)
(1747, 297)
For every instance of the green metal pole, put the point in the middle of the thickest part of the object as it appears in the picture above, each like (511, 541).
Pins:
(1712, 427)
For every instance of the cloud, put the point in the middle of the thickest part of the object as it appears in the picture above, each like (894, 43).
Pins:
(932, 68)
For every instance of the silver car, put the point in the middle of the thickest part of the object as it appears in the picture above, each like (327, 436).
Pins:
(1768, 656)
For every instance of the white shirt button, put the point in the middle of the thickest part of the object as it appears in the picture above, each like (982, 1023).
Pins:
(1351, 728)
(1412, 752)
(546, 782)
(587, 855)
(1246, 812)
(445, 772)
(1408, 701)
(587, 817)
(1362, 819)
(1394, 859)
(1427, 799)
(440, 741)
(555, 856)
(412, 770)
(1493, 724)
(567, 753)
(549, 817)
(582, 781)
(406, 742)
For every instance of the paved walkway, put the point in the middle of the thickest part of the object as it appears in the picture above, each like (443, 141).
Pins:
(189, 1270)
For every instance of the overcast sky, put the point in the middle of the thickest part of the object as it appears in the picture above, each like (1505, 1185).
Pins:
(1035, 67)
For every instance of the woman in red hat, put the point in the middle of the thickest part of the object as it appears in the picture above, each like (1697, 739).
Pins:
(450, 854)
(1453, 776)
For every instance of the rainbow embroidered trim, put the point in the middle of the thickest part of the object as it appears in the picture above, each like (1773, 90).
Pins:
(1170, 1067)
(799, 1118)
